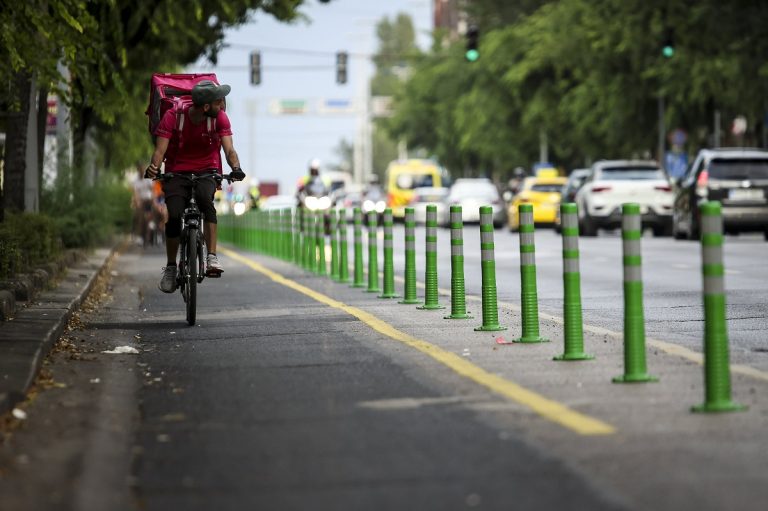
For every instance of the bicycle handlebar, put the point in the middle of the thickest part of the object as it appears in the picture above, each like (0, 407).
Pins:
(193, 177)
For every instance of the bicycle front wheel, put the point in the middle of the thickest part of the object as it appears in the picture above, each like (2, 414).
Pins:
(191, 277)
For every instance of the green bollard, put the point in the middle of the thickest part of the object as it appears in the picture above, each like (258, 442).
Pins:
(333, 220)
(488, 270)
(296, 230)
(458, 297)
(373, 256)
(634, 322)
(529, 297)
(321, 268)
(357, 220)
(717, 372)
(306, 239)
(574, 326)
(343, 249)
(410, 258)
(288, 235)
(430, 267)
(389, 264)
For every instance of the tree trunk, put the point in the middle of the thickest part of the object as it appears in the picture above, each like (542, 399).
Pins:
(42, 125)
(16, 145)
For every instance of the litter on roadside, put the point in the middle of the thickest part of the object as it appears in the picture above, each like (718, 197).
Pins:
(122, 350)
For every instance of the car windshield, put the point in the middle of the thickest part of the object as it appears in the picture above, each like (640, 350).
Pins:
(411, 181)
(430, 197)
(738, 169)
(480, 190)
(631, 173)
(546, 188)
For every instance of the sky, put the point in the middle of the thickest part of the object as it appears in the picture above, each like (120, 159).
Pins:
(279, 147)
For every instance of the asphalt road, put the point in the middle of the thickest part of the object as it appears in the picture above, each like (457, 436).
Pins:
(294, 392)
(672, 283)
(277, 402)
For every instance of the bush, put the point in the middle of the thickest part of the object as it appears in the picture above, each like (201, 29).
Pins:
(26, 240)
(93, 216)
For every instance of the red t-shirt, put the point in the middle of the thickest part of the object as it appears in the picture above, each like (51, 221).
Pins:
(199, 150)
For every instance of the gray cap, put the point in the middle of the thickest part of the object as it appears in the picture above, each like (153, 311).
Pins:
(205, 91)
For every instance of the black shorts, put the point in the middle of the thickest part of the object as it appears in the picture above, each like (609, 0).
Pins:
(177, 193)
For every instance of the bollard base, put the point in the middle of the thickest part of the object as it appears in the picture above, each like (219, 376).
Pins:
(719, 407)
(530, 340)
(410, 302)
(490, 328)
(458, 316)
(567, 357)
(376, 290)
(635, 378)
(358, 285)
(389, 295)
(430, 307)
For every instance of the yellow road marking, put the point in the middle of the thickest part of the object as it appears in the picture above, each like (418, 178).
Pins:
(667, 347)
(552, 410)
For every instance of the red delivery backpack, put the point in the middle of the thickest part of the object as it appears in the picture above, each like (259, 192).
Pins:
(174, 91)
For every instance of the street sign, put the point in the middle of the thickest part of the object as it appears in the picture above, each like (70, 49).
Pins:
(288, 106)
(675, 164)
(330, 106)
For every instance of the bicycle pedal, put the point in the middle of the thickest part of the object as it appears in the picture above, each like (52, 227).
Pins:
(213, 274)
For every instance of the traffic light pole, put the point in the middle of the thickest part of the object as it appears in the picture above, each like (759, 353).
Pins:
(662, 129)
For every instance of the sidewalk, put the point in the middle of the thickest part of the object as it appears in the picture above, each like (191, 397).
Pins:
(28, 336)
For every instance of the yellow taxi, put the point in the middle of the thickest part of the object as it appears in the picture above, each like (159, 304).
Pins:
(543, 193)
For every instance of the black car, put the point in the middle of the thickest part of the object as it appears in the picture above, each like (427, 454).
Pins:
(737, 178)
(568, 194)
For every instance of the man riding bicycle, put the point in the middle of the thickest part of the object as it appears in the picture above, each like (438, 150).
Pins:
(200, 153)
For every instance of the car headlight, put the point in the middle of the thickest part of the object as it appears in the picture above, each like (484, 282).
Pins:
(311, 203)
(324, 202)
(368, 205)
(380, 206)
(239, 208)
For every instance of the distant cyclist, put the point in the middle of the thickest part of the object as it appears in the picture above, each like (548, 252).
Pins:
(200, 153)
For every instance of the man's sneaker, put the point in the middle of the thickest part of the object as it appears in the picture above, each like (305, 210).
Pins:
(168, 282)
(213, 266)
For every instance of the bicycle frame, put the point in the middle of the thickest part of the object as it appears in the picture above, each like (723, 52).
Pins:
(192, 245)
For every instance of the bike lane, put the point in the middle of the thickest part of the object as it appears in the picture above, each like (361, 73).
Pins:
(279, 401)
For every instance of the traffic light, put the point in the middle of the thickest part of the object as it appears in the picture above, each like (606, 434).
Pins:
(472, 53)
(255, 68)
(668, 48)
(341, 67)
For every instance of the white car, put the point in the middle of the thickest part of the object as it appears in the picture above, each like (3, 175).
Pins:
(422, 197)
(471, 194)
(612, 183)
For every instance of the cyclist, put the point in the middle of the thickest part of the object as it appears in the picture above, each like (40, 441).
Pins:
(200, 153)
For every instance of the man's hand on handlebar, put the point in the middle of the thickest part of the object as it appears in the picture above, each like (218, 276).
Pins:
(151, 171)
(237, 174)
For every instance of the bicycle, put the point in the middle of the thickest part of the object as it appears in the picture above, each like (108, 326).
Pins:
(191, 271)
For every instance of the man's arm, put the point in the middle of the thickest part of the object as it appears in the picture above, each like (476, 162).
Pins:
(229, 152)
(161, 145)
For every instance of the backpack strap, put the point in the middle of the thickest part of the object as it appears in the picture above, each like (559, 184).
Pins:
(180, 111)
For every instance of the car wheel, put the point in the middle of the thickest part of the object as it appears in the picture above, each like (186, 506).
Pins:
(587, 226)
(676, 232)
(662, 230)
(765, 235)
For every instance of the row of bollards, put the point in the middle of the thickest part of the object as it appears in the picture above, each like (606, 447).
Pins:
(299, 237)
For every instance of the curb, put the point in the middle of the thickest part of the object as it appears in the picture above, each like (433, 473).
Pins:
(26, 339)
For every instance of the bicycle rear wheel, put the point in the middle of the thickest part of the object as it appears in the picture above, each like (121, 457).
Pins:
(191, 277)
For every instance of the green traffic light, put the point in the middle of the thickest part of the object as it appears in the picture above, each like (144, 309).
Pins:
(668, 51)
(472, 55)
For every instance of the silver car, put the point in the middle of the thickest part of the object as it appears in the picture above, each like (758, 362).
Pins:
(472, 193)
(424, 196)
